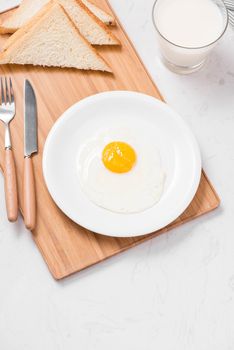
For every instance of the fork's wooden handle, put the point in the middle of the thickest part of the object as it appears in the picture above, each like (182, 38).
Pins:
(29, 199)
(11, 186)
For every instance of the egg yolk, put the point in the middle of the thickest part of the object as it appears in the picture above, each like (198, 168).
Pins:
(118, 157)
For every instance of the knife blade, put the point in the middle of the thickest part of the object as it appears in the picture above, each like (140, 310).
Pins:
(30, 147)
(30, 120)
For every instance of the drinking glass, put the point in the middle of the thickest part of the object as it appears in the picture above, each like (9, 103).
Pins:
(182, 59)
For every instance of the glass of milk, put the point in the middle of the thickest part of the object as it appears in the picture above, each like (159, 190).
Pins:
(188, 30)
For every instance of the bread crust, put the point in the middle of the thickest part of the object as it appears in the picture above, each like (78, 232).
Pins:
(112, 22)
(99, 22)
(4, 30)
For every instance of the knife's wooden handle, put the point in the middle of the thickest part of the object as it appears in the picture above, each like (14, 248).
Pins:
(10, 186)
(29, 199)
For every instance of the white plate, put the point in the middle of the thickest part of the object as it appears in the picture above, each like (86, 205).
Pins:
(178, 149)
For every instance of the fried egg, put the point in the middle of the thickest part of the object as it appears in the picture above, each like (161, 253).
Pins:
(121, 171)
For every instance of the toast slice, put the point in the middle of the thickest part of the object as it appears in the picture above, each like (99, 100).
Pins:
(92, 28)
(51, 39)
(99, 13)
(21, 15)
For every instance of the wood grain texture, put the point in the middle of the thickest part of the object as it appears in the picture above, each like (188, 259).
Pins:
(11, 193)
(66, 247)
(29, 195)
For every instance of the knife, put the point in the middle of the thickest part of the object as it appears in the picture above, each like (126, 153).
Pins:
(30, 147)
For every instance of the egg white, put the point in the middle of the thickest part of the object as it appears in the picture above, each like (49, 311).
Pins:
(131, 192)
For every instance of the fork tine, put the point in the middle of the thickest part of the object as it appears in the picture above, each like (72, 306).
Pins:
(229, 4)
(231, 18)
(7, 91)
(2, 93)
(12, 92)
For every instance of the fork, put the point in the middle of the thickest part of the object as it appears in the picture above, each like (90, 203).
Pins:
(229, 4)
(231, 17)
(230, 7)
(7, 113)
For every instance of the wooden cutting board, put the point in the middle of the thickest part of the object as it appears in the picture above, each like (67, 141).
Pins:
(65, 246)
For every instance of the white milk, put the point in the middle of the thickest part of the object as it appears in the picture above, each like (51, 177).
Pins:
(191, 24)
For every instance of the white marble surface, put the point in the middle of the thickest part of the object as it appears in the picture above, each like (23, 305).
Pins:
(175, 292)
